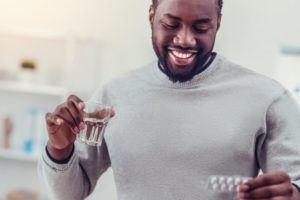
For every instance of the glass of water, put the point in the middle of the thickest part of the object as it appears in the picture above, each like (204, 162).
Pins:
(96, 117)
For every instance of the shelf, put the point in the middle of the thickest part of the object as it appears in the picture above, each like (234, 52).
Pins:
(17, 155)
(45, 35)
(32, 88)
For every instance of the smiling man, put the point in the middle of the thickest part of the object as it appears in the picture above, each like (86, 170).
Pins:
(184, 36)
(187, 116)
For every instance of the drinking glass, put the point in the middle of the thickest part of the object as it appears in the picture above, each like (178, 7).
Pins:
(95, 118)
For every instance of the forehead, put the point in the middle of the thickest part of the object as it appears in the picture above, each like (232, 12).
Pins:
(188, 8)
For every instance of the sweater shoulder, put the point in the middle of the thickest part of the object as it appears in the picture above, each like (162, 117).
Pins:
(250, 79)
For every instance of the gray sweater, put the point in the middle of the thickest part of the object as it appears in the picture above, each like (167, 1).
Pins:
(168, 138)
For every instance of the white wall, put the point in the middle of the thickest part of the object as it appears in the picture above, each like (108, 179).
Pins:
(122, 26)
(250, 34)
(253, 31)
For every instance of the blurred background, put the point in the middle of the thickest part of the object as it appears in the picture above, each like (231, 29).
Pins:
(50, 49)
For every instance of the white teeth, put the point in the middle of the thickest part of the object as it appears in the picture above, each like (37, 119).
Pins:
(182, 55)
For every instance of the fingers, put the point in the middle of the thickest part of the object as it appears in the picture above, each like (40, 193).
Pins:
(71, 112)
(267, 179)
(267, 192)
(59, 132)
(113, 113)
(65, 122)
(53, 122)
(75, 107)
(75, 113)
(268, 186)
(77, 101)
(102, 114)
(274, 198)
(70, 115)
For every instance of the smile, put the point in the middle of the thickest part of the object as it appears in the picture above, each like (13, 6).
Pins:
(180, 57)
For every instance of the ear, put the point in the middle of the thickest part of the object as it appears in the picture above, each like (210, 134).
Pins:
(151, 14)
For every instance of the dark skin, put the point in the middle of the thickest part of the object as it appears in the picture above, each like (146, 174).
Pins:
(63, 124)
(192, 25)
(183, 38)
(273, 186)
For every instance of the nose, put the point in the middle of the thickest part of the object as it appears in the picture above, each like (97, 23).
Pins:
(185, 39)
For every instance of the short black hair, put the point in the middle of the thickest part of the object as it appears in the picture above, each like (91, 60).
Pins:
(220, 4)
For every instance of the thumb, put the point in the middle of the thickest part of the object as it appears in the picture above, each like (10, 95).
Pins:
(53, 123)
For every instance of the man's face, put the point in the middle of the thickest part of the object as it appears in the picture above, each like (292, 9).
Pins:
(183, 35)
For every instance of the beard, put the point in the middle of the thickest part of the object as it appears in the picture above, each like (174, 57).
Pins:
(202, 62)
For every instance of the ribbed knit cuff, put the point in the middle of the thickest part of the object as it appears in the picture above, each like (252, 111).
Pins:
(65, 161)
(59, 166)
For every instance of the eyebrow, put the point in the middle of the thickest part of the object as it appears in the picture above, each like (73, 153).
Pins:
(172, 16)
(201, 21)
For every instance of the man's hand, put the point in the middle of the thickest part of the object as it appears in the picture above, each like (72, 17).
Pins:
(63, 124)
(273, 186)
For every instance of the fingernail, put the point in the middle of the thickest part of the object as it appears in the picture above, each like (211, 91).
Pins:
(59, 121)
(76, 130)
(238, 189)
(81, 125)
(245, 188)
(241, 196)
(113, 113)
(81, 105)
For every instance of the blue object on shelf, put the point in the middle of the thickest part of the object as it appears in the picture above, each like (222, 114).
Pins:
(28, 146)
(29, 130)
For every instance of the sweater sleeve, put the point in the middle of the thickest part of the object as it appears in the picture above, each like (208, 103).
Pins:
(76, 179)
(280, 150)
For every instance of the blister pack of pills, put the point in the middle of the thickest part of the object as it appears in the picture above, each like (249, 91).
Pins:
(226, 183)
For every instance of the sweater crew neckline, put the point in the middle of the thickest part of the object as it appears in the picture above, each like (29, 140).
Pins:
(163, 80)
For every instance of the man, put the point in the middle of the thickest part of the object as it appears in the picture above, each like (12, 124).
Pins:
(178, 121)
